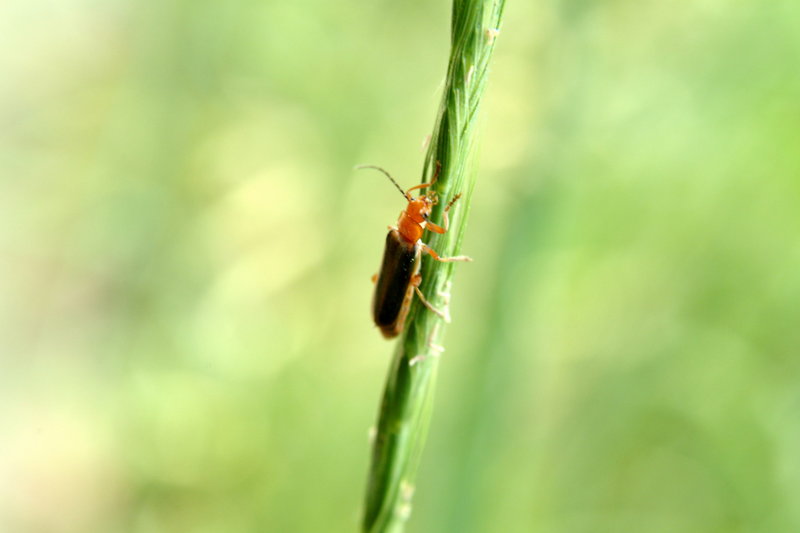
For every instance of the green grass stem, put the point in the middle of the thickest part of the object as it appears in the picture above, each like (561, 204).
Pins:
(408, 396)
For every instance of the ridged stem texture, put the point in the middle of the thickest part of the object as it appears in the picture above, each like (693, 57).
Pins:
(408, 396)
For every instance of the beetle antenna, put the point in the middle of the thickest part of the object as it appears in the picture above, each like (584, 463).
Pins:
(359, 167)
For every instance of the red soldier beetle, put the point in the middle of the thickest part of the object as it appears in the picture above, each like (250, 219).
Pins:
(399, 277)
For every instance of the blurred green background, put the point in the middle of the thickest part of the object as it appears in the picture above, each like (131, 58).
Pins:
(185, 255)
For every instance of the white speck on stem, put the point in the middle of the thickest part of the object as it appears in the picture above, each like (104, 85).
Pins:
(406, 493)
(404, 511)
(445, 295)
(470, 72)
(436, 348)
(426, 142)
(406, 490)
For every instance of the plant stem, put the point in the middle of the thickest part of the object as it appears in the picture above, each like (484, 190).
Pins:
(408, 396)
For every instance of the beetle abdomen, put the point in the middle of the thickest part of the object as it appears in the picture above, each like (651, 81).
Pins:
(393, 289)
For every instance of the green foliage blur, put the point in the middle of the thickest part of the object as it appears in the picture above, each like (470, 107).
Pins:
(186, 252)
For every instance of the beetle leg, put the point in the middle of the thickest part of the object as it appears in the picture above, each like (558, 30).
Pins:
(428, 250)
(433, 180)
(415, 281)
(420, 186)
(444, 227)
(436, 229)
(441, 314)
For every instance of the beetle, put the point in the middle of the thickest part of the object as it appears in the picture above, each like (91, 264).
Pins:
(399, 277)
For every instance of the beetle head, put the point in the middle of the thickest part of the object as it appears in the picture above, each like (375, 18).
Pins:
(419, 208)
